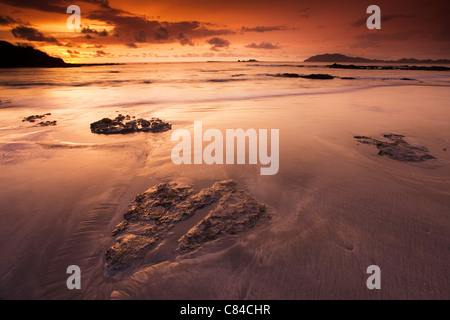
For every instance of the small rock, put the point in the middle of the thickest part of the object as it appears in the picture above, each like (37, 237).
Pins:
(397, 149)
(123, 124)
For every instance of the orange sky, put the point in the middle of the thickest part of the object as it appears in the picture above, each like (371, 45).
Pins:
(175, 30)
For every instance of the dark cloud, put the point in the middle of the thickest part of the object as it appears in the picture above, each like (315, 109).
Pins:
(32, 34)
(217, 43)
(162, 34)
(101, 53)
(263, 29)
(59, 6)
(134, 28)
(263, 45)
(88, 30)
(384, 18)
(128, 27)
(304, 13)
(140, 36)
(184, 41)
(7, 20)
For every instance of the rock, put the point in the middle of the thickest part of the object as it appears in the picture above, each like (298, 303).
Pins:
(47, 123)
(123, 124)
(149, 223)
(33, 118)
(310, 76)
(318, 76)
(379, 67)
(397, 148)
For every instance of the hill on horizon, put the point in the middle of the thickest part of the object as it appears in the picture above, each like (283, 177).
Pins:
(337, 57)
(12, 56)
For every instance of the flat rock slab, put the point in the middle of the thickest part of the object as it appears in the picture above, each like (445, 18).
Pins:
(124, 124)
(225, 210)
(397, 149)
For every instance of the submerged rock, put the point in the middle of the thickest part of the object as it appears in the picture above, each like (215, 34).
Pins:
(123, 124)
(149, 224)
(397, 148)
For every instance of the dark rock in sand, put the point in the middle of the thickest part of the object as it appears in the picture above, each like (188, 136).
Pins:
(149, 223)
(397, 148)
(33, 118)
(47, 123)
(123, 124)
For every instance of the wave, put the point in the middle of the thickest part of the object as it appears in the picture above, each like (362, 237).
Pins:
(243, 97)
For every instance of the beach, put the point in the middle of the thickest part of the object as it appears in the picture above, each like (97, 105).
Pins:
(336, 205)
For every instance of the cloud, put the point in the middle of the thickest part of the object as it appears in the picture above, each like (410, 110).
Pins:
(88, 30)
(32, 34)
(184, 41)
(304, 13)
(133, 28)
(101, 53)
(58, 6)
(195, 55)
(373, 40)
(263, 45)
(7, 20)
(263, 29)
(129, 27)
(217, 43)
(384, 18)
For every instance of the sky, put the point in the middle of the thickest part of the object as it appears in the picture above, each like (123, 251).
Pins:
(203, 30)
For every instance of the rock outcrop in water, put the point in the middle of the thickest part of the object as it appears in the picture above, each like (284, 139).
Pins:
(336, 57)
(397, 148)
(309, 76)
(124, 124)
(378, 67)
(223, 209)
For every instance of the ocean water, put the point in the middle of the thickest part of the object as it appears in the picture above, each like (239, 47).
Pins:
(163, 83)
(338, 206)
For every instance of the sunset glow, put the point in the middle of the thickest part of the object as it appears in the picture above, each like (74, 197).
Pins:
(176, 30)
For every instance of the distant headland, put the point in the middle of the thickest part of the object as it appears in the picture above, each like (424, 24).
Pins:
(19, 56)
(337, 57)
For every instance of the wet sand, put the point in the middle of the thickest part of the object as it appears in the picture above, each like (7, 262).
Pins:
(338, 206)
